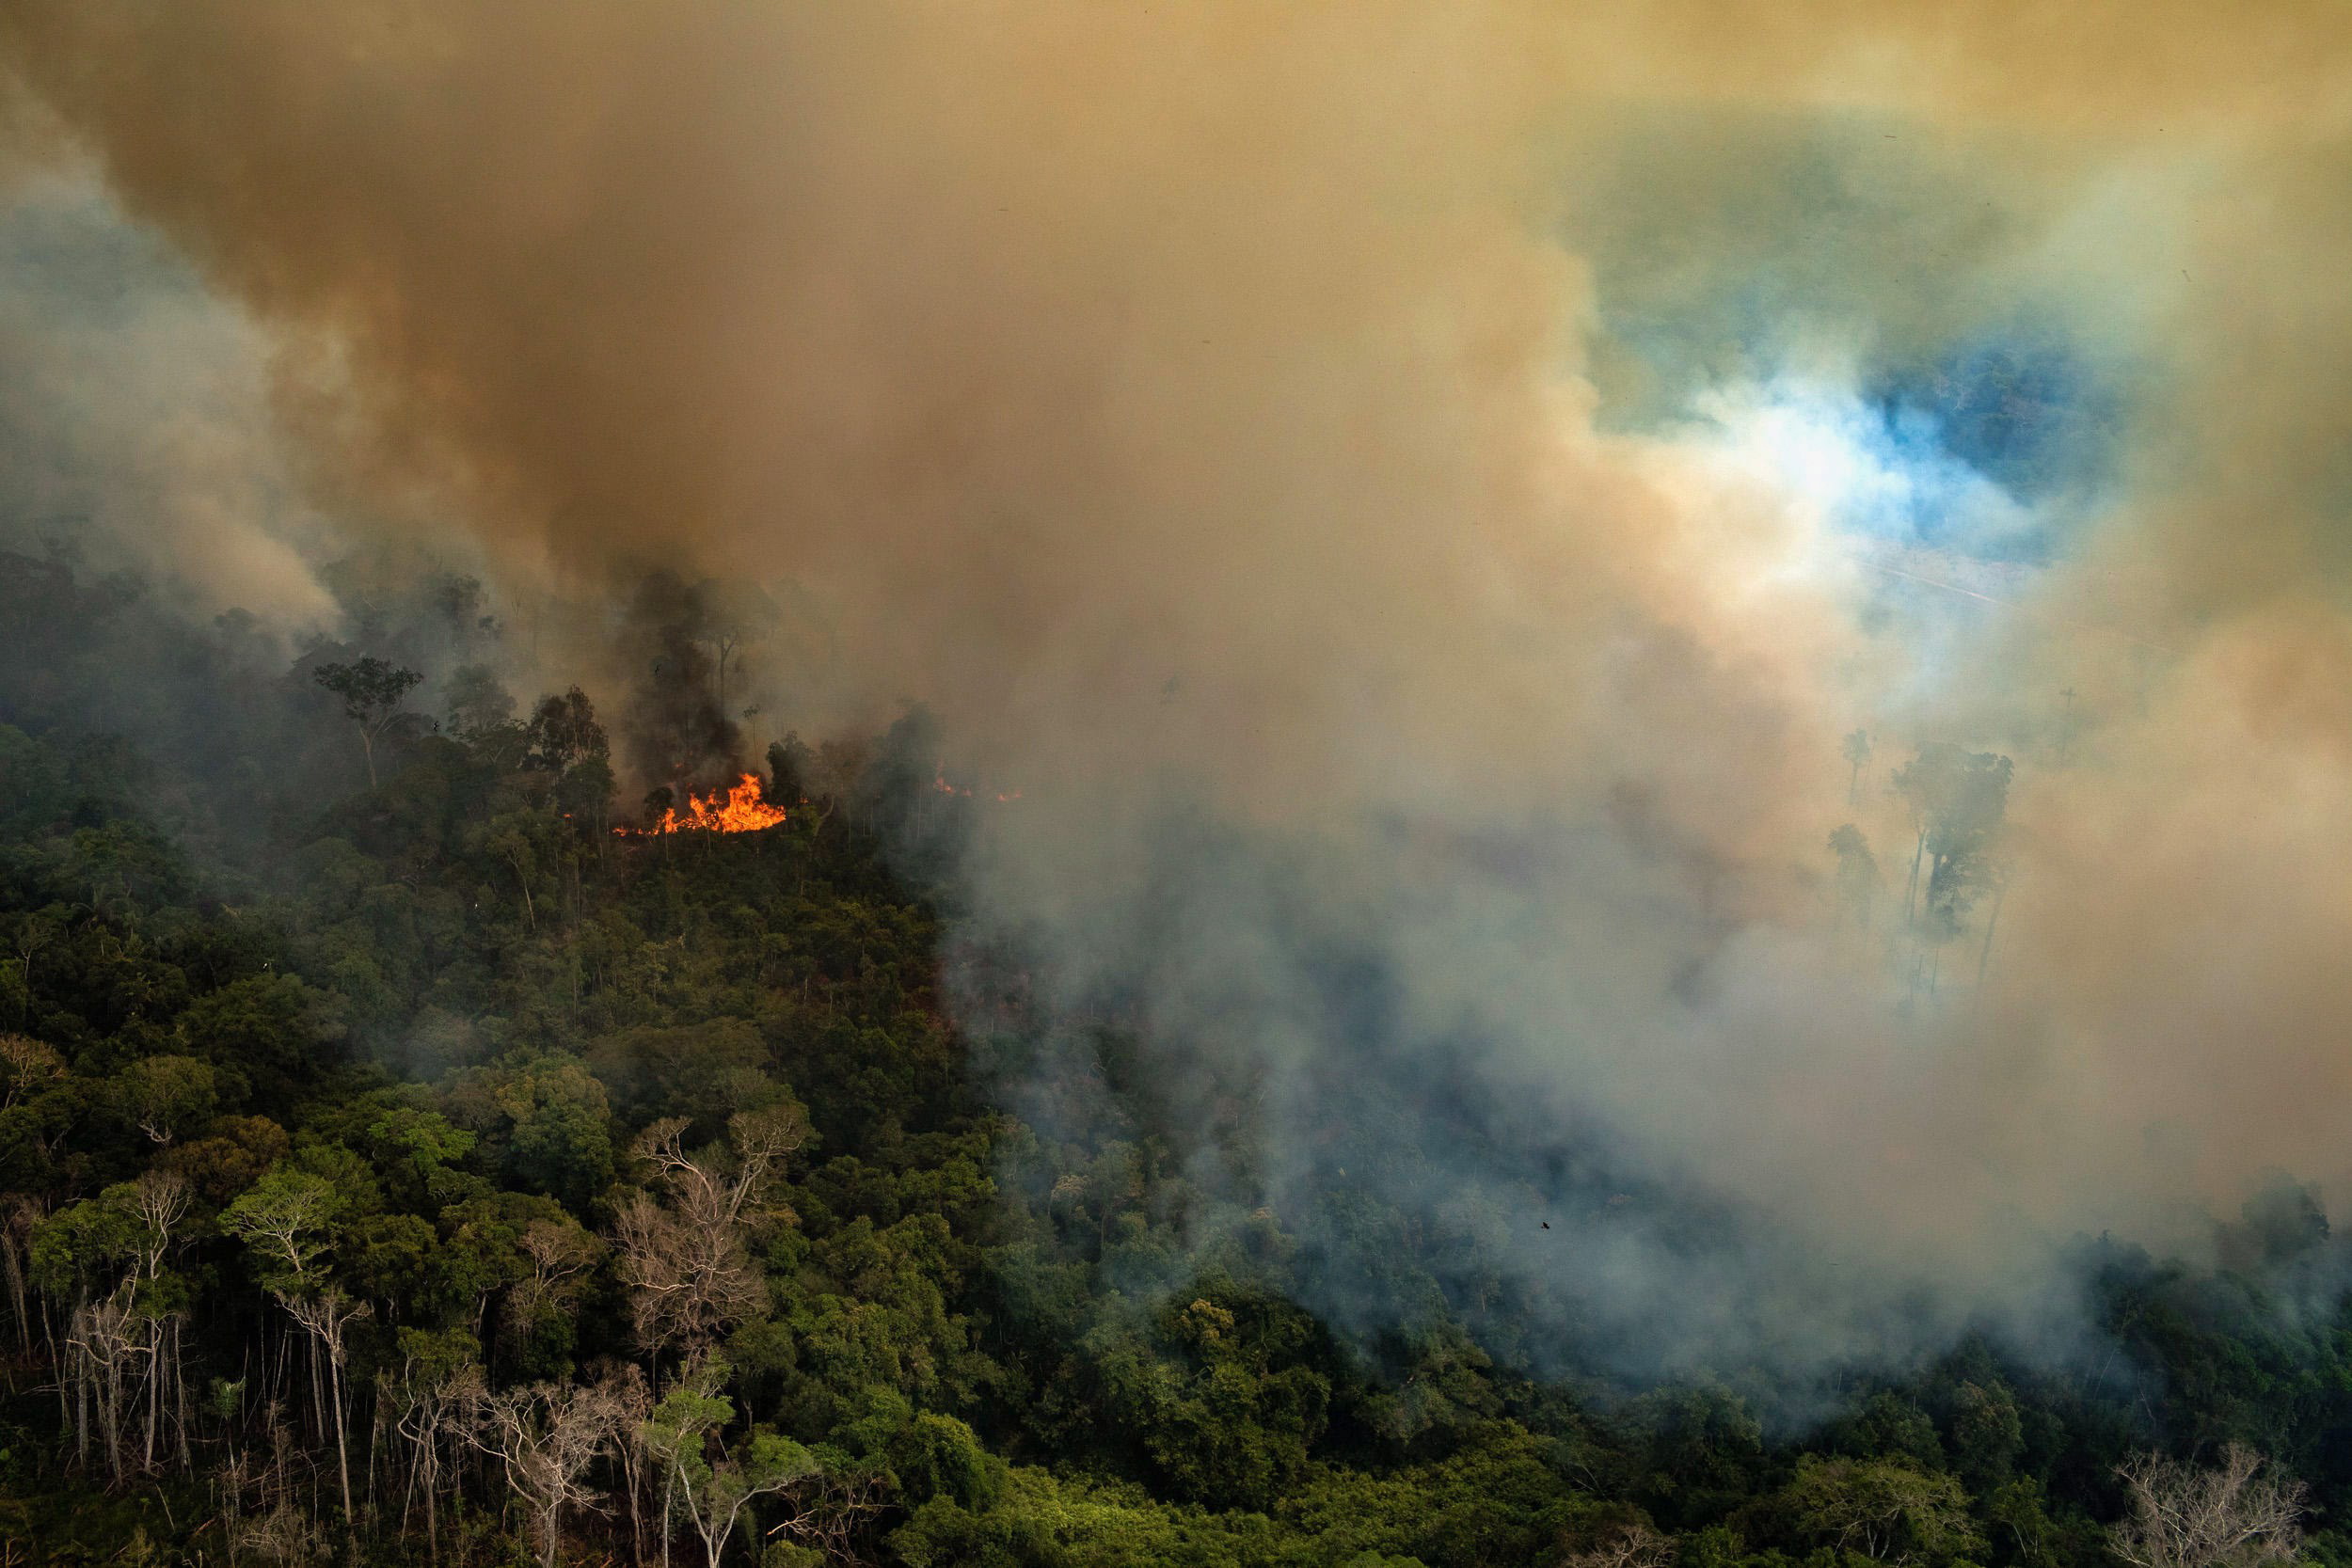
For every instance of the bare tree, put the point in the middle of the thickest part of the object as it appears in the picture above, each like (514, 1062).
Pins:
(433, 1405)
(27, 1066)
(1635, 1546)
(130, 1330)
(101, 1346)
(560, 1255)
(838, 1504)
(632, 1403)
(689, 1278)
(159, 1200)
(2184, 1517)
(546, 1435)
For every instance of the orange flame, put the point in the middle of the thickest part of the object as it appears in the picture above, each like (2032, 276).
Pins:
(939, 783)
(739, 810)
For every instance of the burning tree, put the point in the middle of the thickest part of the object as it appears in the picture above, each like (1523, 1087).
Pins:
(740, 809)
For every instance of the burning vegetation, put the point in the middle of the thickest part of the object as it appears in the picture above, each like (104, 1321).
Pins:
(738, 809)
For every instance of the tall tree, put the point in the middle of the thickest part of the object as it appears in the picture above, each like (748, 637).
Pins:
(1857, 750)
(285, 1220)
(431, 1399)
(1958, 801)
(372, 691)
(685, 1437)
(476, 700)
(564, 732)
(1857, 874)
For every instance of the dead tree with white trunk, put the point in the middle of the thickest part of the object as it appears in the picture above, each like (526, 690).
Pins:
(547, 1436)
(1635, 1546)
(2232, 1516)
(431, 1406)
(683, 1257)
(326, 1315)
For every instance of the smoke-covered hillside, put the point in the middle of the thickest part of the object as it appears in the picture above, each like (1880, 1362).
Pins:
(1323, 784)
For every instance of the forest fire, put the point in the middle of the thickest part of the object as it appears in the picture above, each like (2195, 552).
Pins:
(739, 809)
(941, 785)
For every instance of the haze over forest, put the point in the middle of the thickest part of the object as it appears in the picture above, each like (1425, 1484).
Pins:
(1040, 783)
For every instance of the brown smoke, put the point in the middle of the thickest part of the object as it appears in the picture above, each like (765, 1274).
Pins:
(1215, 388)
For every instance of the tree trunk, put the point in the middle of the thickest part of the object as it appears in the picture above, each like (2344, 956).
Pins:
(1984, 956)
(180, 1402)
(342, 1453)
(432, 1521)
(49, 1339)
(154, 1389)
(15, 1267)
(1910, 893)
(631, 1479)
(318, 1391)
(80, 1375)
(110, 1416)
(524, 882)
(375, 1444)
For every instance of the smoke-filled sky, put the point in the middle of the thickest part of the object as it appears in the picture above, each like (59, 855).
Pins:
(1431, 485)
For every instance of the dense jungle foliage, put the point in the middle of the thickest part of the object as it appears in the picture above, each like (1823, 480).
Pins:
(421, 1171)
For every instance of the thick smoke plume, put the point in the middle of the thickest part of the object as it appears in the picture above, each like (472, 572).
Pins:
(1384, 480)
(677, 729)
